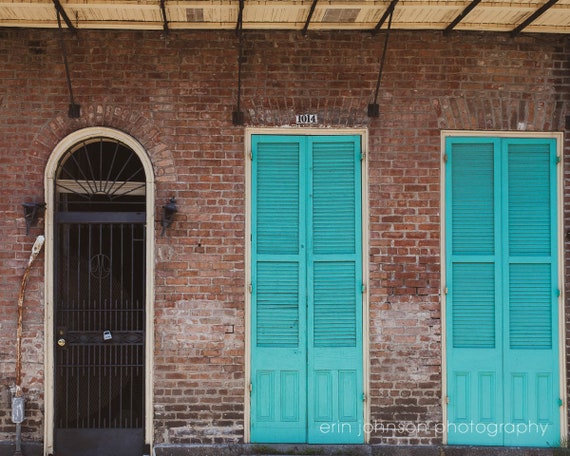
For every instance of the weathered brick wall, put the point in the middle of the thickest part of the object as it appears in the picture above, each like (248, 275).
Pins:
(176, 97)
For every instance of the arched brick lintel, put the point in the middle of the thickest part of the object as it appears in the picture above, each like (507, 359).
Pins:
(130, 122)
(528, 112)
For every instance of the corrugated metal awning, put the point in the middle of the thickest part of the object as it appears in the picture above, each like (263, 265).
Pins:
(530, 16)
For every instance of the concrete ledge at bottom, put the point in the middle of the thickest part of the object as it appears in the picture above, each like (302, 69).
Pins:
(350, 450)
(28, 448)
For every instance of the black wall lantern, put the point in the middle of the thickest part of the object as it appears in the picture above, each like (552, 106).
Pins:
(31, 213)
(168, 211)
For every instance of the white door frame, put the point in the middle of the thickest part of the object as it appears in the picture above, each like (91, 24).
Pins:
(60, 149)
(559, 137)
(363, 133)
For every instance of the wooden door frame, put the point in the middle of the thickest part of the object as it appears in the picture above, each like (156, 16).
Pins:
(49, 190)
(363, 133)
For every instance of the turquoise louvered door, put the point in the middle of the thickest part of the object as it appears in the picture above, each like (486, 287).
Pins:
(306, 290)
(278, 317)
(335, 291)
(474, 343)
(502, 357)
(530, 269)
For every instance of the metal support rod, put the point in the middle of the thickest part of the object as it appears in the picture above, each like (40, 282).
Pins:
(240, 60)
(309, 17)
(383, 57)
(387, 13)
(61, 11)
(532, 17)
(237, 115)
(461, 16)
(164, 17)
(74, 110)
(239, 25)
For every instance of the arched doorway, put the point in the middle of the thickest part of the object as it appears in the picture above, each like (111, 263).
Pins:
(100, 301)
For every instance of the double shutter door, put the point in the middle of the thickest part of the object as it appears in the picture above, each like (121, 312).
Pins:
(306, 271)
(502, 285)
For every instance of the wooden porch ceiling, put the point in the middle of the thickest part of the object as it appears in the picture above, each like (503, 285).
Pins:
(518, 16)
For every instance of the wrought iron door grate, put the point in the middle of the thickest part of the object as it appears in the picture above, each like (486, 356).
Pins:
(100, 323)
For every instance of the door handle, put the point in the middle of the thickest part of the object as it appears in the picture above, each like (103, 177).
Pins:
(61, 333)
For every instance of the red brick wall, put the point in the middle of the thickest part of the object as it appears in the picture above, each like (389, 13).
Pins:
(176, 97)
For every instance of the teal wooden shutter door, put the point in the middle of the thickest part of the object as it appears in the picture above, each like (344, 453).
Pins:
(531, 271)
(502, 357)
(278, 397)
(474, 336)
(306, 290)
(335, 291)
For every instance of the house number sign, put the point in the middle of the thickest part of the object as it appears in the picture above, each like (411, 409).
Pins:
(306, 119)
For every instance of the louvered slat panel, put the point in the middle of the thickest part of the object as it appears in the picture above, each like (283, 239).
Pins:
(277, 304)
(530, 309)
(334, 304)
(334, 198)
(472, 199)
(473, 313)
(277, 194)
(529, 199)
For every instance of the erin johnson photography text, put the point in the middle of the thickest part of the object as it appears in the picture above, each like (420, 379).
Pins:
(409, 428)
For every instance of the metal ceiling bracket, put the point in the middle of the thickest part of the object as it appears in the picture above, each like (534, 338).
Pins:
(533, 17)
(387, 13)
(237, 115)
(63, 14)
(374, 108)
(74, 110)
(461, 16)
(309, 17)
(164, 17)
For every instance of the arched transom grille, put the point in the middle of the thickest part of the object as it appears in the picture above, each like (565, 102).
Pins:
(100, 174)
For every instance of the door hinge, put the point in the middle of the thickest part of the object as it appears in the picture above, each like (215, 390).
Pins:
(250, 288)
(558, 293)
(250, 387)
(560, 402)
(558, 159)
(447, 399)
(250, 155)
(362, 157)
(363, 288)
(445, 291)
(363, 397)
(445, 157)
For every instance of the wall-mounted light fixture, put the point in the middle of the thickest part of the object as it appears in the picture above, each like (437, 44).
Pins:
(31, 213)
(168, 211)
